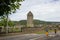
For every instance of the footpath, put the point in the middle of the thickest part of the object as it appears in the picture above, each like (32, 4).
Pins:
(57, 37)
(51, 36)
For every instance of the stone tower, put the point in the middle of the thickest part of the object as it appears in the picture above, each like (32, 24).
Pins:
(30, 19)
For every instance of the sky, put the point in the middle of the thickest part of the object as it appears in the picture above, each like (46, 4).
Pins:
(46, 10)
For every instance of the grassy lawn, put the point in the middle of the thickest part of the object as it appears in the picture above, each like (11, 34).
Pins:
(40, 32)
(43, 32)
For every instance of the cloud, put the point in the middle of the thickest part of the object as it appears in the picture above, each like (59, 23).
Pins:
(41, 9)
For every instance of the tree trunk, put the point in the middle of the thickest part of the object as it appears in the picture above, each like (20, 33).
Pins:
(7, 25)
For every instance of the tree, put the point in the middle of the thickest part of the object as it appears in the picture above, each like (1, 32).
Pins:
(4, 20)
(7, 7)
(4, 24)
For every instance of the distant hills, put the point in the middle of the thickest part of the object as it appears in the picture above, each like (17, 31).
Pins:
(36, 22)
(24, 22)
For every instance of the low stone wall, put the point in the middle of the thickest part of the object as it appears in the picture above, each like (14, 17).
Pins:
(31, 29)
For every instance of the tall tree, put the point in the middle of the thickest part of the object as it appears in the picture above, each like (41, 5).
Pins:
(7, 7)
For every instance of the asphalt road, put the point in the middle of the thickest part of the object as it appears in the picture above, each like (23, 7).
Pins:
(32, 37)
(51, 36)
(57, 37)
(22, 37)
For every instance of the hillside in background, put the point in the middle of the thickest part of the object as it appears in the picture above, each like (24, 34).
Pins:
(36, 22)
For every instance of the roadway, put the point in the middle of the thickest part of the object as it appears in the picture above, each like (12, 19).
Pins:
(22, 37)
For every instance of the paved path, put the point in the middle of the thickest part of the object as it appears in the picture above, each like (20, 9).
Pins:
(57, 37)
(51, 36)
(22, 37)
(32, 37)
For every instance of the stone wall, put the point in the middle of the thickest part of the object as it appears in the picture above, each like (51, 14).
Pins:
(31, 29)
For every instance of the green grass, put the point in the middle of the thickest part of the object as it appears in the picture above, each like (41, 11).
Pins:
(40, 32)
(43, 32)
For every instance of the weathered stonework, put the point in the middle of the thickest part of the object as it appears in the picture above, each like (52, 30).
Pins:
(30, 19)
(31, 29)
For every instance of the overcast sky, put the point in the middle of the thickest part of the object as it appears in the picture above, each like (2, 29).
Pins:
(47, 10)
